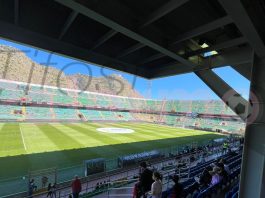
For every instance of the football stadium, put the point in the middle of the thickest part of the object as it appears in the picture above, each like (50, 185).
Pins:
(71, 126)
(139, 99)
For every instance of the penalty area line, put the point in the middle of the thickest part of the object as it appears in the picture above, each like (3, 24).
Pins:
(22, 136)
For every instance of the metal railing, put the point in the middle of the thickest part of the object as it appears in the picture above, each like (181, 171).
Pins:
(66, 191)
(165, 183)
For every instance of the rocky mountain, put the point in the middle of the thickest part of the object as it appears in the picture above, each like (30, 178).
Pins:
(17, 66)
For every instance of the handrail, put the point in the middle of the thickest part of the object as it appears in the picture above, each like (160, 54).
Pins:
(85, 190)
(120, 188)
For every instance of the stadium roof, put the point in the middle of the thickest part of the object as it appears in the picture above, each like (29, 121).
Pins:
(148, 38)
(158, 38)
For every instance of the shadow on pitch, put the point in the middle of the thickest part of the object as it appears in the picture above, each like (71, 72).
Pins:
(12, 166)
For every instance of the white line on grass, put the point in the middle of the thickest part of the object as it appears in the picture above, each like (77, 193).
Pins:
(22, 136)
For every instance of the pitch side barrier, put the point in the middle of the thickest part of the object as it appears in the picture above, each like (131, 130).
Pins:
(115, 109)
(66, 184)
(104, 189)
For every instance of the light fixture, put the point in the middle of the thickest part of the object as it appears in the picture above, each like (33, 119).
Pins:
(210, 53)
(204, 45)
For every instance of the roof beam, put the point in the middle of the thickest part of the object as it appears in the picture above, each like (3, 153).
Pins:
(68, 23)
(104, 38)
(130, 50)
(240, 16)
(225, 92)
(202, 29)
(162, 11)
(151, 58)
(119, 28)
(219, 46)
(237, 57)
(16, 12)
(21, 35)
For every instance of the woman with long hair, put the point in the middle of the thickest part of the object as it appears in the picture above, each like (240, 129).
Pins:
(156, 188)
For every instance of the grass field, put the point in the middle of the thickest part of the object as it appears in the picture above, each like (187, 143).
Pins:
(28, 146)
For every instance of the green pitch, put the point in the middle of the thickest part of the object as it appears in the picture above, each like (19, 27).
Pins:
(28, 146)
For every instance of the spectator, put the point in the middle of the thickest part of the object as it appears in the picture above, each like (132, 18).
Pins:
(32, 187)
(49, 190)
(44, 181)
(145, 180)
(205, 178)
(54, 190)
(97, 186)
(226, 167)
(225, 147)
(202, 182)
(216, 178)
(156, 188)
(223, 174)
(76, 187)
(177, 189)
(136, 191)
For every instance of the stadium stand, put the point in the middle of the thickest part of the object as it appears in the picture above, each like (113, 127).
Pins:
(7, 112)
(63, 114)
(39, 113)
(110, 107)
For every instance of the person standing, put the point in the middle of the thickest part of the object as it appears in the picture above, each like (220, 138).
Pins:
(156, 188)
(32, 187)
(54, 190)
(225, 148)
(76, 187)
(44, 181)
(145, 179)
(49, 194)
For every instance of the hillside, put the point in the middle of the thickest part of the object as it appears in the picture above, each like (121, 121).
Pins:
(15, 65)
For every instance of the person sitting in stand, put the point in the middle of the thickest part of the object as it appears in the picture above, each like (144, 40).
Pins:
(216, 177)
(177, 190)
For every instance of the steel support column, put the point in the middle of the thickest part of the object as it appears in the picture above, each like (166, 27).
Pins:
(252, 183)
(237, 103)
(243, 69)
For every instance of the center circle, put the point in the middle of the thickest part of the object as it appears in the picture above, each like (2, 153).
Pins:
(115, 130)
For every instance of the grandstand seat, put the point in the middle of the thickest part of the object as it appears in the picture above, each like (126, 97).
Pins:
(45, 94)
(7, 112)
(62, 113)
(235, 195)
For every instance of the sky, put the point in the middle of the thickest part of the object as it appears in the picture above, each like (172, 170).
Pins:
(180, 87)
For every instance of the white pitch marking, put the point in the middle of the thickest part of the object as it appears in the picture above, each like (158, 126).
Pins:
(22, 136)
(115, 130)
